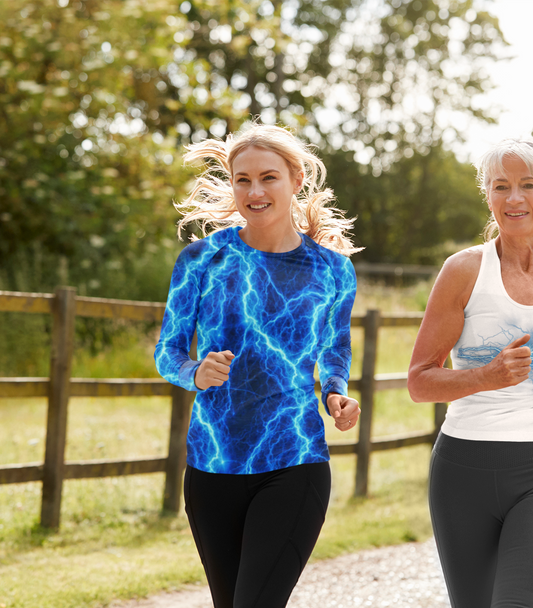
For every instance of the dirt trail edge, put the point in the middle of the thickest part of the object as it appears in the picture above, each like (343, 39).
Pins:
(403, 576)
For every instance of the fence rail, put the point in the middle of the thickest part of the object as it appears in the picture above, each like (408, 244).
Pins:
(395, 270)
(65, 305)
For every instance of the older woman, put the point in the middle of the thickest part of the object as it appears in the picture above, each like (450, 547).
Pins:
(270, 293)
(481, 479)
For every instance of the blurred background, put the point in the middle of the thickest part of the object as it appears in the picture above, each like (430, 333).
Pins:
(98, 100)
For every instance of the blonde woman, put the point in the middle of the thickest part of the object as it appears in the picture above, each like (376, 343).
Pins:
(270, 293)
(481, 479)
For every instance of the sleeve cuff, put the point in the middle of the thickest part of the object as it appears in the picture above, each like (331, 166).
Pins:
(186, 375)
(333, 385)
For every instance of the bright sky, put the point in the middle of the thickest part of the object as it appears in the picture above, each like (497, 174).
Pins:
(513, 78)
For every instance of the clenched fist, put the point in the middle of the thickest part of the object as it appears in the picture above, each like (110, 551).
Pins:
(344, 410)
(214, 369)
(512, 365)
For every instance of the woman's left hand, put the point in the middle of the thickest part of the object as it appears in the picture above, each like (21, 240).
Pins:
(344, 410)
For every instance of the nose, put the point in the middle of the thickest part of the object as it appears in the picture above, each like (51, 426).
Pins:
(256, 190)
(515, 195)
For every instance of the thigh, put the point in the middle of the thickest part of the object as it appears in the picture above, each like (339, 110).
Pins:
(467, 524)
(513, 587)
(282, 525)
(216, 506)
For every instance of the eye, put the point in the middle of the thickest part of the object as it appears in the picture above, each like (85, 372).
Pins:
(500, 187)
(242, 180)
(528, 186)
(269, 177)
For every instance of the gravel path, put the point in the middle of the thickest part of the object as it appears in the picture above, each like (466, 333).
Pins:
(403, 576)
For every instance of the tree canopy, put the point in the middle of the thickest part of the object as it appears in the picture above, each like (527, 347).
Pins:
(98, 98)
(381, 78)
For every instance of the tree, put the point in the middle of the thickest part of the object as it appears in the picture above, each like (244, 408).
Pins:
(93, 122)
(376, 86)
(87, 177)
(382, 79)
(416, 212)
(380, 88)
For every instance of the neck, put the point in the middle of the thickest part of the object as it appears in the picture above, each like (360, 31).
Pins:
(516, 251)
(278, 242)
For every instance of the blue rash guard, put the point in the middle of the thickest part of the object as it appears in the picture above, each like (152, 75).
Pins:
(279, 314)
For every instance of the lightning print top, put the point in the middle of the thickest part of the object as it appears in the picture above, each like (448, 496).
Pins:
(492, 321)
(279, 314)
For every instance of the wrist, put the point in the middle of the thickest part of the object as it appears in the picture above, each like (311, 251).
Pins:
(331, 402)
(198, 380)
(483, 378)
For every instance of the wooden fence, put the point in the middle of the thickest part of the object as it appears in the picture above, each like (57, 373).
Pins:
(64, 306)
(397, 271)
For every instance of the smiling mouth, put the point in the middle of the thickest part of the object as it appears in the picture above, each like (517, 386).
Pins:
(259, 206)
(516, 213)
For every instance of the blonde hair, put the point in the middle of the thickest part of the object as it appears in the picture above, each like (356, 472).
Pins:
(211, 200)
(491, 162)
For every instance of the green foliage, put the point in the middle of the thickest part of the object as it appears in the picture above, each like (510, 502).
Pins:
(104, 348)
(94, 121)
(25, 338)
(380, 79)
(86, 180)
(114, 350)
(414, 212)
(25, 343)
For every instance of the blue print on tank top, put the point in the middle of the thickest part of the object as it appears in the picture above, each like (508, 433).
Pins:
(491, 347)
(279, 314)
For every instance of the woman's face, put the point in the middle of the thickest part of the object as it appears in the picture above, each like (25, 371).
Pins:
(263, 188)
(510, 198)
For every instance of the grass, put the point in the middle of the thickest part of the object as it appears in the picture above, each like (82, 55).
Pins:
(114, 543)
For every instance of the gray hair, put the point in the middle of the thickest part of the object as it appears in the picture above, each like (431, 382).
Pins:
(492, 162)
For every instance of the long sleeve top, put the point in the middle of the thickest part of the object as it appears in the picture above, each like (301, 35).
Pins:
(279, 314)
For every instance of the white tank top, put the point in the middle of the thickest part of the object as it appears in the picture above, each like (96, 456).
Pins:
(492, 321)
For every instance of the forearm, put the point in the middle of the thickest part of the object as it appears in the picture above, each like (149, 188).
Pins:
(176, 366)
(440, 384)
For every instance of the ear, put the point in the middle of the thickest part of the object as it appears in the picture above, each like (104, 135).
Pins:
(298, 182)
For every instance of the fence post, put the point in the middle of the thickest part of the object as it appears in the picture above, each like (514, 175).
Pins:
(371, 327)
(177, 445)
(440, 408)
(439, 415)
(63, 318)
(179, 424)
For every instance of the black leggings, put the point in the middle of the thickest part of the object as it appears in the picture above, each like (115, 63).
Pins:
(481, 502)
(255, 533)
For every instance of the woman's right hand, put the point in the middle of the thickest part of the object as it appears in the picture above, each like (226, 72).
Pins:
(512, 365)
(214, 369)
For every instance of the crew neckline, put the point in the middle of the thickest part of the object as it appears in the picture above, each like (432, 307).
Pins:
(270, 254)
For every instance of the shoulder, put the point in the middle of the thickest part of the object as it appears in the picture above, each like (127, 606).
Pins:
(464, 265)
(338, 267)
(459, 274)
(206, 248)
(332, 258)
(196, 257)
